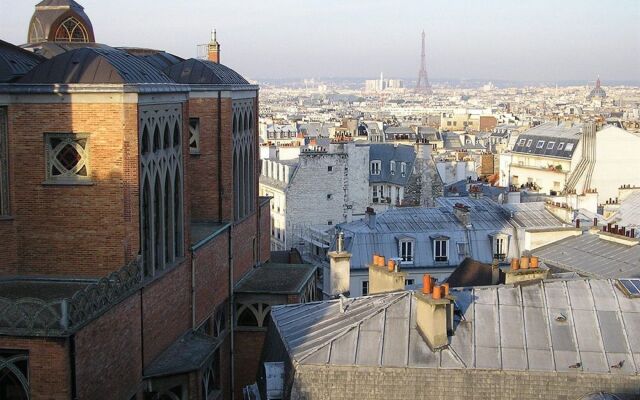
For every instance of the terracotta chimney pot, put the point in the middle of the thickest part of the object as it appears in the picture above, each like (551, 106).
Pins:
(445, 286)
(524, 263)
(391, 265)
(515, 264)
(427, 284)
(534, 262)
(437, 292)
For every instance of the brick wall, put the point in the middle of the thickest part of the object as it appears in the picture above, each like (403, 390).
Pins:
(108, 353)
(244, 238)
(49, 376)
(337, 382)
(247, 350)
(9, 248)
(72, 219)
(212, 275)
(166, 307)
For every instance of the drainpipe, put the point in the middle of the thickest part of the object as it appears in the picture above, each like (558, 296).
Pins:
(72, 367)
(220, 191)
(231, 315)
(193, 290)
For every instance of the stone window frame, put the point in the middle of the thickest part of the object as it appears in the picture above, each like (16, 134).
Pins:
(69, 176)
(5, 205)
(194, 136)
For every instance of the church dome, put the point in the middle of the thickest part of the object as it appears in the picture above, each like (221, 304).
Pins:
(597, 91)
(60, 21)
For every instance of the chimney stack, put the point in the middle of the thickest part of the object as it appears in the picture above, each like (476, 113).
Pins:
(434, 313)
(385, 277)
(339, 270)
(214, 49)
(526, 269)
(370, 217)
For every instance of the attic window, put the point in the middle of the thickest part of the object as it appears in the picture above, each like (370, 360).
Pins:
(540, 144)
(561, 146)
(529, 142)
(521, 142)
(550, 145)
(569, 147)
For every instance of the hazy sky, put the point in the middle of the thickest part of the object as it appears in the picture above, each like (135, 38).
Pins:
(486, 39)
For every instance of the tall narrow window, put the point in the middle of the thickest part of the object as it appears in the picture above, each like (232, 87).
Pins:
(244, 150)
(441, 250)
(194, 135)
(406, 251)
(161, 206)
(4, 163)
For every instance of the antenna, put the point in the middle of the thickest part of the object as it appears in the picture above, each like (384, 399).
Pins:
(423, 81)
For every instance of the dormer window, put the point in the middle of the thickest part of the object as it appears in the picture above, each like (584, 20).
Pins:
(375, 167)
(521, 142)
(500, 246)
(392, 167)
(561, 146)
(529, 142)
(403, 169)
(406, 251)
(569, 147)
(550, 145)
(440, 248)
(540, 144)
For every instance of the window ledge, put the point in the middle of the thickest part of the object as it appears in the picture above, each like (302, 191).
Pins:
(194, 153)
(7, 217)
(68, 183)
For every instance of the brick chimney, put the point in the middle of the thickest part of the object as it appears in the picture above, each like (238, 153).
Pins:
(434, 313)
(384, 278)
(339, 269)
(214, 49)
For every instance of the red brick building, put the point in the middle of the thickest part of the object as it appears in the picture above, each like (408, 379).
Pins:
(128, 213)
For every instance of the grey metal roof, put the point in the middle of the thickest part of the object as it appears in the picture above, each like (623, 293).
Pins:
(629, 212)
(195, 71)
(15, 61)
(532, 215)
(94, 65)
(385, 153)
(276, 278)
(584, 326)
(52, 49)
(589, 254)
(451, 140)
(552, 136)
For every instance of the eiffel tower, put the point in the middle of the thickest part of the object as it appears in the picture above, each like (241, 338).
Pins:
(423, 85)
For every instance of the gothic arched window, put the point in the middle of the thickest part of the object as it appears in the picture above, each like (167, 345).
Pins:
(72, 30)
(14, 376)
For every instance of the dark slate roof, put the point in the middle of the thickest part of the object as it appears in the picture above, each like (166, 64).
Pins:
(44, 289)
(472, 273)
(553, 133)
(15, 62)
(276, 279)
(94, 65)
(194, 71)
(158, 58)
(399, 133)
(386, 153)
(189, 353)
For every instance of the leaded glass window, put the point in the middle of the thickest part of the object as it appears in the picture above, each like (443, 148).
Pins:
(72, 30)
(67, 157)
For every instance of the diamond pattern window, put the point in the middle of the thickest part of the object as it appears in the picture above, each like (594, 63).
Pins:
(194, 135)
(67, 157)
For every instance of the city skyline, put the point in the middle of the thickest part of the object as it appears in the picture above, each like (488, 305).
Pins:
(493, 41)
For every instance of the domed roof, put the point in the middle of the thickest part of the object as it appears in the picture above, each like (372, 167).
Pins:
(195, 71)
(60, 21)
(15, 62)
(597, 91)
(95, 65)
